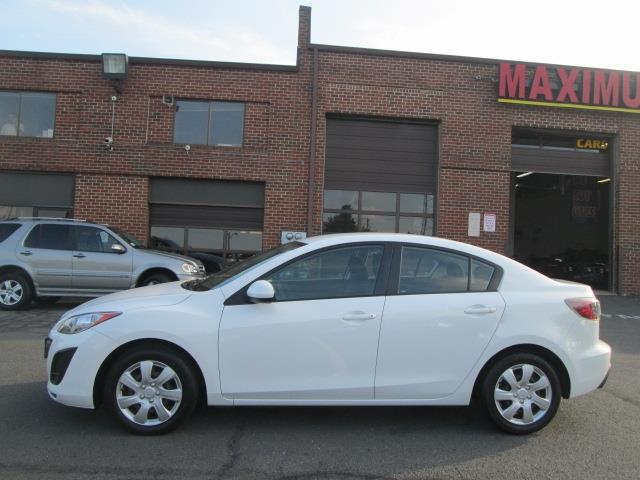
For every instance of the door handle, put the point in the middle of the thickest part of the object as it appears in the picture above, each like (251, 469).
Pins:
(358, 316)
(26, 253)
(480, 310)
(79, 255)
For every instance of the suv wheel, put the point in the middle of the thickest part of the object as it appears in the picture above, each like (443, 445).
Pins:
(155, 279)
(15, 291)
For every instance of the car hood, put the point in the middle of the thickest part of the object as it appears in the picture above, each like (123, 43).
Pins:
(174, 256)
(160, 295)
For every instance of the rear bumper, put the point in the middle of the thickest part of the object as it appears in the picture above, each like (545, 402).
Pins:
(591, 369)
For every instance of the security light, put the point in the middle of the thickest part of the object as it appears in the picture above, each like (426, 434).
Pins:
(114, 66)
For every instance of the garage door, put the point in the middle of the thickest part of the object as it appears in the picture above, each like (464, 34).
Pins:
(380, 175)
(35, 194)
(206, 216)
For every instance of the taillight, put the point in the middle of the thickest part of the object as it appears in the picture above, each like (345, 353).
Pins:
(588, 308)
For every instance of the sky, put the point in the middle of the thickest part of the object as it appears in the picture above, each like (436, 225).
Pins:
(569, 32)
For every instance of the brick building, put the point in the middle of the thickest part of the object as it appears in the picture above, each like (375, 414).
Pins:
(225, 157)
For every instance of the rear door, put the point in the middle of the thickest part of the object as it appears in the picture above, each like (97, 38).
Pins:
(441, 312)
(47, 249)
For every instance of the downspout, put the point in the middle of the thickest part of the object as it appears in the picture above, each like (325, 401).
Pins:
(312, 142)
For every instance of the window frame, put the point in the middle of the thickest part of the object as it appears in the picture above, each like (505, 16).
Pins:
(394, 275)
(61, 224)
(210, 105)
(55, 111)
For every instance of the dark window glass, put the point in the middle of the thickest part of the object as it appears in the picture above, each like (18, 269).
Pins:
(379, 201)
(9, 211)
(339, 223)
(50, 236)
(378, 223)
(245, 240)
(27, 114)
(205, 239)
(91, 239)
(227, 124)
(340, 200)
(481, 275)
(9, 108)
(343, 272)
(413, 225)
(191, 122)
(167, 238)
(425, 270)
(7, 229)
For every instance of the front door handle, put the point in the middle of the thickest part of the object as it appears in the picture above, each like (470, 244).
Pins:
(358, 316)
(480, 310)
(26, 253)
(79, 255)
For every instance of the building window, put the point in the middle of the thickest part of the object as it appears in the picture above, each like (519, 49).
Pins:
(209, 123)
(353, 211)
(27, 114)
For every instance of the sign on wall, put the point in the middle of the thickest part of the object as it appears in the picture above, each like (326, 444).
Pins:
(567, 87)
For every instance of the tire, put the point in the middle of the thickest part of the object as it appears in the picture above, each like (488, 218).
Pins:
(156, 278)
(46, 300)
(126, 382)
(16, 292)
(516, 406)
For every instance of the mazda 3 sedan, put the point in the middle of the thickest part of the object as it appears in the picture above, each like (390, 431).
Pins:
(349, 319)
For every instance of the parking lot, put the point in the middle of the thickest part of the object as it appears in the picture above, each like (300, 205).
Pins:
(596, 436)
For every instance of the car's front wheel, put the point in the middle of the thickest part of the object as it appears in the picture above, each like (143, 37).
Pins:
(521, 393)
(151, 390)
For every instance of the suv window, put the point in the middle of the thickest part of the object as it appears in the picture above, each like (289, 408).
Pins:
(342, 272)
(92, 239)
(51, 236)
(6, 229)
(426, 270)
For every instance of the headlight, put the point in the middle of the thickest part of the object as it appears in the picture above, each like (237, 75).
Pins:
(188, 268)
(79, 323)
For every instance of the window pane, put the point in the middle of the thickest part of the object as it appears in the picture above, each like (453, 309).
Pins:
(339, 223)
(167, 238)
(37, 114)
(191, 122)
(9, 104)
(379, 201)
(428, 230)
(54, 237)
(340, 200)
(344, 272)
(245, 240)
(91, 239)
(205, 239)
(7, 229)
(413, 225)
(227, 123)
(8, 211)
(378, 223)
(424, 270)
(481, 274)
(413, 203)
(53, 212)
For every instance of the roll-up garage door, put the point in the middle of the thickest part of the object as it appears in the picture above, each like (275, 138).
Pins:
(35, 194)
(567, 162)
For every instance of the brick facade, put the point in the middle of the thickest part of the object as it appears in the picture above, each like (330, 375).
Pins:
(458, 94)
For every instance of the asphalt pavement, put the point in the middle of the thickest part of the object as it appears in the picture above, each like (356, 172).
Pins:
(592, 437)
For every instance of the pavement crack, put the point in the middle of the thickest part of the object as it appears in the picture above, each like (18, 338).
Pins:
(624, 398)
(233, 450)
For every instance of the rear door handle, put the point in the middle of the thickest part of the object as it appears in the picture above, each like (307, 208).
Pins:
(26, 253)
(358, 316)
(480, 310)
(79, 255)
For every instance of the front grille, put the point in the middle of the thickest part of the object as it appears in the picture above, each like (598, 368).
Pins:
(60, 363)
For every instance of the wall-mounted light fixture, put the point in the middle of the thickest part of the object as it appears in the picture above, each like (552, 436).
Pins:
(115, 66)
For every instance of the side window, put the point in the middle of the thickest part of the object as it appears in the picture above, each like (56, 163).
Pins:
(481, 274)
(426, 270)
(342, 272)
(50, 236)
(91, 239)
(6, 229)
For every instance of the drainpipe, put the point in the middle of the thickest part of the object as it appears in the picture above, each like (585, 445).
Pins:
(312, 142)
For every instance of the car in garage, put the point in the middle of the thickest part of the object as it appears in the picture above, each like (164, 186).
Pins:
(345, 319)
(43, 259)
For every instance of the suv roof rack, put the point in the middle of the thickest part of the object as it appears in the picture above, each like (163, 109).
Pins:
(48, 219)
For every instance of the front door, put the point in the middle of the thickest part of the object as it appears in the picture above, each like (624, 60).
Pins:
(317, 340)
(436, 323)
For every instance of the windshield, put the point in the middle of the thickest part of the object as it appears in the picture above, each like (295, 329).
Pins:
(132, 241)
(242, 266)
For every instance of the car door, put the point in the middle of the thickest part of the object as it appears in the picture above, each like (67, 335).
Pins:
(47, 250)
(96, 266)
(318, 339)
(441, 312)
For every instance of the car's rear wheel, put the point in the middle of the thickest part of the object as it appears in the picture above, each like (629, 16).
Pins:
(151, 390)
(521, 393)
(15, 291)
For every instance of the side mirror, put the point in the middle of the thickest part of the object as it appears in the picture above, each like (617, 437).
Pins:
(117, 248)
(261, 291)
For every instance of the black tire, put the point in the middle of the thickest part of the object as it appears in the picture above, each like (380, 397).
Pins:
(20, 285)
(160, 355)
(521, 395)
(156, 278)
(46, 300)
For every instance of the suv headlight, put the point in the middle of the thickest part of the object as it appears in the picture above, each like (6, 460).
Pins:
(79, 323)
(188, 268)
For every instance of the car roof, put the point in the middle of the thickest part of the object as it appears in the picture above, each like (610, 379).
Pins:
(52, 220)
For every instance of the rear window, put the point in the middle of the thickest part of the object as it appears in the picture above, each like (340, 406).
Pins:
(49, 236)
(6, 229)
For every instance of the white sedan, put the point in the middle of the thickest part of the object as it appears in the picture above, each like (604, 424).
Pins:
(351, 319)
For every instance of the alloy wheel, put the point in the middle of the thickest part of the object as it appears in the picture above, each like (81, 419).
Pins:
(523, 394)
(11, 292)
